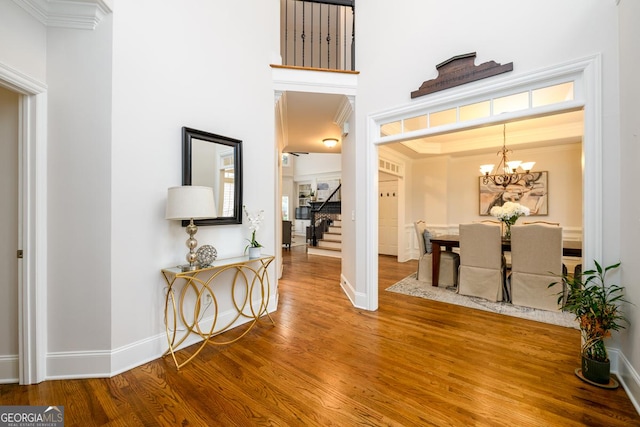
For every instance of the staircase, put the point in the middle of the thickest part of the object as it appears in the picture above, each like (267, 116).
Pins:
(331, 242)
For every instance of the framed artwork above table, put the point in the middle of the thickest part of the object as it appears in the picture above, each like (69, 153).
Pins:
(531, 191)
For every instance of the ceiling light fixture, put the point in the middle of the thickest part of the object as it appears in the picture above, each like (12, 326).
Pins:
(507, 171)
(330, 142)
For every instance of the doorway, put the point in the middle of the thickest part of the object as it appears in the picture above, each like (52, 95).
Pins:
(388, 215)
(32, 193)
(9, 160)
(387, 127)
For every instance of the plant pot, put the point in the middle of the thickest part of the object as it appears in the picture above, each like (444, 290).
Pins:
(255, 252)
(598, 372)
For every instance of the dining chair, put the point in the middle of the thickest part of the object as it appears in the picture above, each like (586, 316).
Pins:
(482, 266)
(536, 261)
(541, 222)
(449, 260)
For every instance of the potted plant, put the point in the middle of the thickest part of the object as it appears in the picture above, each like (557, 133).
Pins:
(596, 306)
(254, 225)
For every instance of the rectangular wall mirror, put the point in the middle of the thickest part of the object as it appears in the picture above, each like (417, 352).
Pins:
(214, 161)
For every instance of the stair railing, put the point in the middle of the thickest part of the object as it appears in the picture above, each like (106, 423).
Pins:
(325, 214)
(318, 34)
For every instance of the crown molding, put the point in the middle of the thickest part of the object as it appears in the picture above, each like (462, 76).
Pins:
(78, 14)
(344, 110)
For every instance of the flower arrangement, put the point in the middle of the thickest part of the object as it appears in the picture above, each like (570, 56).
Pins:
(254, 225)
(509, 213)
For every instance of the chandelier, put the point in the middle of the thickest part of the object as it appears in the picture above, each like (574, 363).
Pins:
(506, 173)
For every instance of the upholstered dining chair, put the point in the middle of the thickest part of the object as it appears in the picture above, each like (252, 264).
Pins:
(541, 222)
(449, 261)
(482, 266)
(536, 261)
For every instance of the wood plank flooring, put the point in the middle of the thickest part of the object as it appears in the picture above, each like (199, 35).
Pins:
(413, 362)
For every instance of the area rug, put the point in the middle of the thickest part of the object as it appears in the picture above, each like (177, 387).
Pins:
(410, 286)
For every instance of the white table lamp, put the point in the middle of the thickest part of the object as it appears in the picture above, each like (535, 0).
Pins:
(190, 202)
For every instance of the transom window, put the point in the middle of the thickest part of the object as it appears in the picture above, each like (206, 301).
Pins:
(484, 109)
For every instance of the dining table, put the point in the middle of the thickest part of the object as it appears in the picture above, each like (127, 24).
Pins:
(572, 248)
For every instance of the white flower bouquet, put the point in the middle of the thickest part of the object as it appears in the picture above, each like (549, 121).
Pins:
(509, 214)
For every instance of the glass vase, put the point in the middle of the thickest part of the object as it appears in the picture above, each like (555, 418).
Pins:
(507, 231)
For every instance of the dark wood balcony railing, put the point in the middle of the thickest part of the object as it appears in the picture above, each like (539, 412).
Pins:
(318, 34)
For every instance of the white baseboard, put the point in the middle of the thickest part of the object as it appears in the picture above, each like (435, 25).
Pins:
(106, 364)
(348, 289)
(628, 377)
(78, 364)
(9, 373)
(358, 299)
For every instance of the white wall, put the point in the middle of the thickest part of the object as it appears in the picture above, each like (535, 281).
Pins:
(629, 11)
(79, 190)
(24, 42)
(308, 166)
(199, 64)
(441, 186)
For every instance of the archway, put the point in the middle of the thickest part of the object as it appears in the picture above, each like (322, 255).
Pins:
(584, 75)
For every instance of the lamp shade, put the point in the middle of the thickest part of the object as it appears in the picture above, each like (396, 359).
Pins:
(190, 202)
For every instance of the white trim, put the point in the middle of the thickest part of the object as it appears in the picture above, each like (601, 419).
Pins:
(78, 14)
(9, 369)
(108, 363)
(32, 193)
(344, 112)
(592, 157)
(586, 72)
(628, 377)
(287, 79)
(357, 299)
(371, 219)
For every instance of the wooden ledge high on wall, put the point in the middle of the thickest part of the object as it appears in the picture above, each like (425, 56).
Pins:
(328, 70)
(459, 70)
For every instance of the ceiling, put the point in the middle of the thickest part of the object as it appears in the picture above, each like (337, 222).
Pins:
(308, 118)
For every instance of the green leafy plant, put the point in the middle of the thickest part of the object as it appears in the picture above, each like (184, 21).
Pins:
(596, 305)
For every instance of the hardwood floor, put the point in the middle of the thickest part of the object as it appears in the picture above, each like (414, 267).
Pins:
(414, 362)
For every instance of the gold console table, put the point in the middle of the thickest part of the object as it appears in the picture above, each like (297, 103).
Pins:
(186, 305)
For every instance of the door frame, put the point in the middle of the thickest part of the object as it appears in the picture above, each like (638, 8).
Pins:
(32, 218)
(587, 75)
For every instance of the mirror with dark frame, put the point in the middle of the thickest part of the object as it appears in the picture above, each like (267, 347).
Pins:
(214, 161)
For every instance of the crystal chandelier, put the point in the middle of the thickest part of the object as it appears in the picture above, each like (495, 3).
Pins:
(506, 173)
